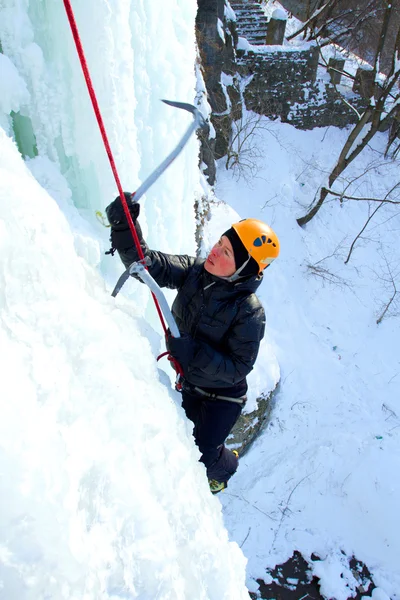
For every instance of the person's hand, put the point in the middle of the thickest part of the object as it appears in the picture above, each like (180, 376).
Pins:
(182, 349)
(121, 236)
(116, 214)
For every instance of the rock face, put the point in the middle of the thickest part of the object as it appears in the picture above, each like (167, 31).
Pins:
(295, 579)
(284, 84)
(250, 425)
(215, 34)
(279, 80)
(216, 49)
(241, 71)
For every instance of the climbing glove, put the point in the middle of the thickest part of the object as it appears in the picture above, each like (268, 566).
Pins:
(121, 236)
(182, 349)
(116, 214)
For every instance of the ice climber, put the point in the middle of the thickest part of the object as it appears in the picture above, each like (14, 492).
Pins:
(221, 322)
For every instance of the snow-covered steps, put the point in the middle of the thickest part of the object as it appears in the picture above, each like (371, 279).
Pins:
(251, 21)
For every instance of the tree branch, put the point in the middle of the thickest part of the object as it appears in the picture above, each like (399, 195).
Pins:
(359, 199)
(361, 232)
(317, 14)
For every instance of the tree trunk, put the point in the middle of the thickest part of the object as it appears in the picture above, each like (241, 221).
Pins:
(372, 113)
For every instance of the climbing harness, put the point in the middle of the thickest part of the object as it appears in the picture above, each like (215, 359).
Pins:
(136, 268)
(196, 390)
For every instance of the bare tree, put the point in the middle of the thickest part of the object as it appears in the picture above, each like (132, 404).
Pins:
(394, 135)
(243, 146)
(244, 152)
(383, 104)
(358, 236)
(318, 270)
(351, 24)
(320, 13)
(390, 278)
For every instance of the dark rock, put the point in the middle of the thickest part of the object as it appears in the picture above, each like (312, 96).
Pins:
(222, 126)
(324, 107)
(216, 57)
(236, 102)
(293, 580)
(250, 425)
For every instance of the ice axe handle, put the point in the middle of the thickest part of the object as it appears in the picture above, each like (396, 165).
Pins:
(198, 121)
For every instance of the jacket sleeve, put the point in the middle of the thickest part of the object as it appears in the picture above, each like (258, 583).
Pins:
(168, 270)
(243, 344)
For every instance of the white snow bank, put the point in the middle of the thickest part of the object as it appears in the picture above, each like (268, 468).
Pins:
(101, 494)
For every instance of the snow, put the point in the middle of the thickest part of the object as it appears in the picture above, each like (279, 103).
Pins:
(229, 12)
(322, 478)
(288, 47)
(220, 29)
(101, 492)
(379, 594)
(97, 492)
(243, 44)
(279, 15)
(292, 24)
(13, 91)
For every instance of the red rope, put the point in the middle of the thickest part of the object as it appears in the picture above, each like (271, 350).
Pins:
(177, 367)
(100, 122)
(172, 360)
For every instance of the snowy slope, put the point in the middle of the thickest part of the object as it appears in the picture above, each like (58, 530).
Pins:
(323, 478)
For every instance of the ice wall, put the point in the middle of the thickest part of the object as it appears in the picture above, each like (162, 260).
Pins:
(137, 53)
(101, 493)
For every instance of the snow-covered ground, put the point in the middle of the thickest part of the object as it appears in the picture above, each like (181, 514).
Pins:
(323, 478)
(101, 494)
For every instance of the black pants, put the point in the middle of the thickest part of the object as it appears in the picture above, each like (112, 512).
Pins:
(213, 421)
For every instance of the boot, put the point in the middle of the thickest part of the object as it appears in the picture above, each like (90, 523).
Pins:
(217, 486)
(220, 486)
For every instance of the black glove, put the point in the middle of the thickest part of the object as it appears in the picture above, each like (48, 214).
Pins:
(121, 236)
(116, 214)
(182, 349)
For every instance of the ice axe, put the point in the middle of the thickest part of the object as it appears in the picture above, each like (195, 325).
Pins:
(198, 121)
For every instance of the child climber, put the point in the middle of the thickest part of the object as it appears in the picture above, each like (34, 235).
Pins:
(221, 322)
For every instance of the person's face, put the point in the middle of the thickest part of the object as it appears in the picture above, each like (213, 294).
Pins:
(221, 260)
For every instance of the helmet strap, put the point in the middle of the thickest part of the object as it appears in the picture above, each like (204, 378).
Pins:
(236, 274)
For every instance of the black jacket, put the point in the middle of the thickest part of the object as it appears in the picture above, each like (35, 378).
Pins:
(225, 319)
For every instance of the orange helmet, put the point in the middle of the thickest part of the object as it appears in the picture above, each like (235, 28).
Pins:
(260, 241)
